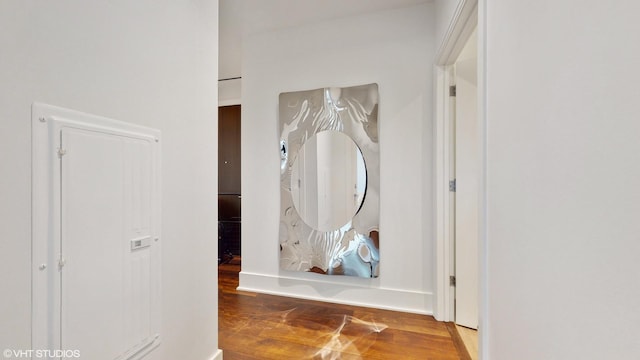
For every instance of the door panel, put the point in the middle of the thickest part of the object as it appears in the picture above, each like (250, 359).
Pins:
(106, 207)
(229, 182)
(467, 191)
(229, 159)
(92, 244)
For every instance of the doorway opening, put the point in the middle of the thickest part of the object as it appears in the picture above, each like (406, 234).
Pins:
(229, 184)
(465, 175)
(460, 257)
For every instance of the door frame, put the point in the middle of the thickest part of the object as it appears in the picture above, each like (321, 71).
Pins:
(469, 14)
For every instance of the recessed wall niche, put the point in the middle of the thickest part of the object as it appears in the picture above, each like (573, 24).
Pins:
(330, 181)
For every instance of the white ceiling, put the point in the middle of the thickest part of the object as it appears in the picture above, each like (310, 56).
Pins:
(238, 18)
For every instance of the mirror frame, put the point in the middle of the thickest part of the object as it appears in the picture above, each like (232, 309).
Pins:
(352, 249)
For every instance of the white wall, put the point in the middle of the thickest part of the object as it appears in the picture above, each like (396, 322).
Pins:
(229, 92)
(563, 171)
(152, 63)
(391, 48)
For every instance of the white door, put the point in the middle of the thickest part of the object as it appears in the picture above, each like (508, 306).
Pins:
(467, 179)
(92, 243)
(106, 244)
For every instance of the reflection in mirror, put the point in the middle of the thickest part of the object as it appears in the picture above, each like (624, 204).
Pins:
(327, 223)
(284, 155)
(328, 180)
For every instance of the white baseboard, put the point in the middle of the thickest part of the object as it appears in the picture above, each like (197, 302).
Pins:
(349, 294)
(217, 355)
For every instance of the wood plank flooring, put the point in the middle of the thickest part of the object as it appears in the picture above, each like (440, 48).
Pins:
(257, 326)
(470, 339)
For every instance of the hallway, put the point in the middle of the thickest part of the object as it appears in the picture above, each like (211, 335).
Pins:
(258, 326)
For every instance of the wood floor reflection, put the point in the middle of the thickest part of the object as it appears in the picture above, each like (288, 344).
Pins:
(257, 326)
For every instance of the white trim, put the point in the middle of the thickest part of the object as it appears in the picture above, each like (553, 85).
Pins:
(468, 15)
(444, 300)
(462, 24)
(483, 212)
(464, 20)
(216, 356)
(45, 234)
(381, 298)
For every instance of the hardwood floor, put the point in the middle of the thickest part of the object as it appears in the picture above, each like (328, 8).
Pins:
(257, 326)
(470, 339)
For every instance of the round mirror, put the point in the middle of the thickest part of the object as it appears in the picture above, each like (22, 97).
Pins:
(328, 180)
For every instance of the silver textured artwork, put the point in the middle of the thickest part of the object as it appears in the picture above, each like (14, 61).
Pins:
(330, 181)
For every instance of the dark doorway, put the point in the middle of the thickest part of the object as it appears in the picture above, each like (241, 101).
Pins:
(229, 189)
